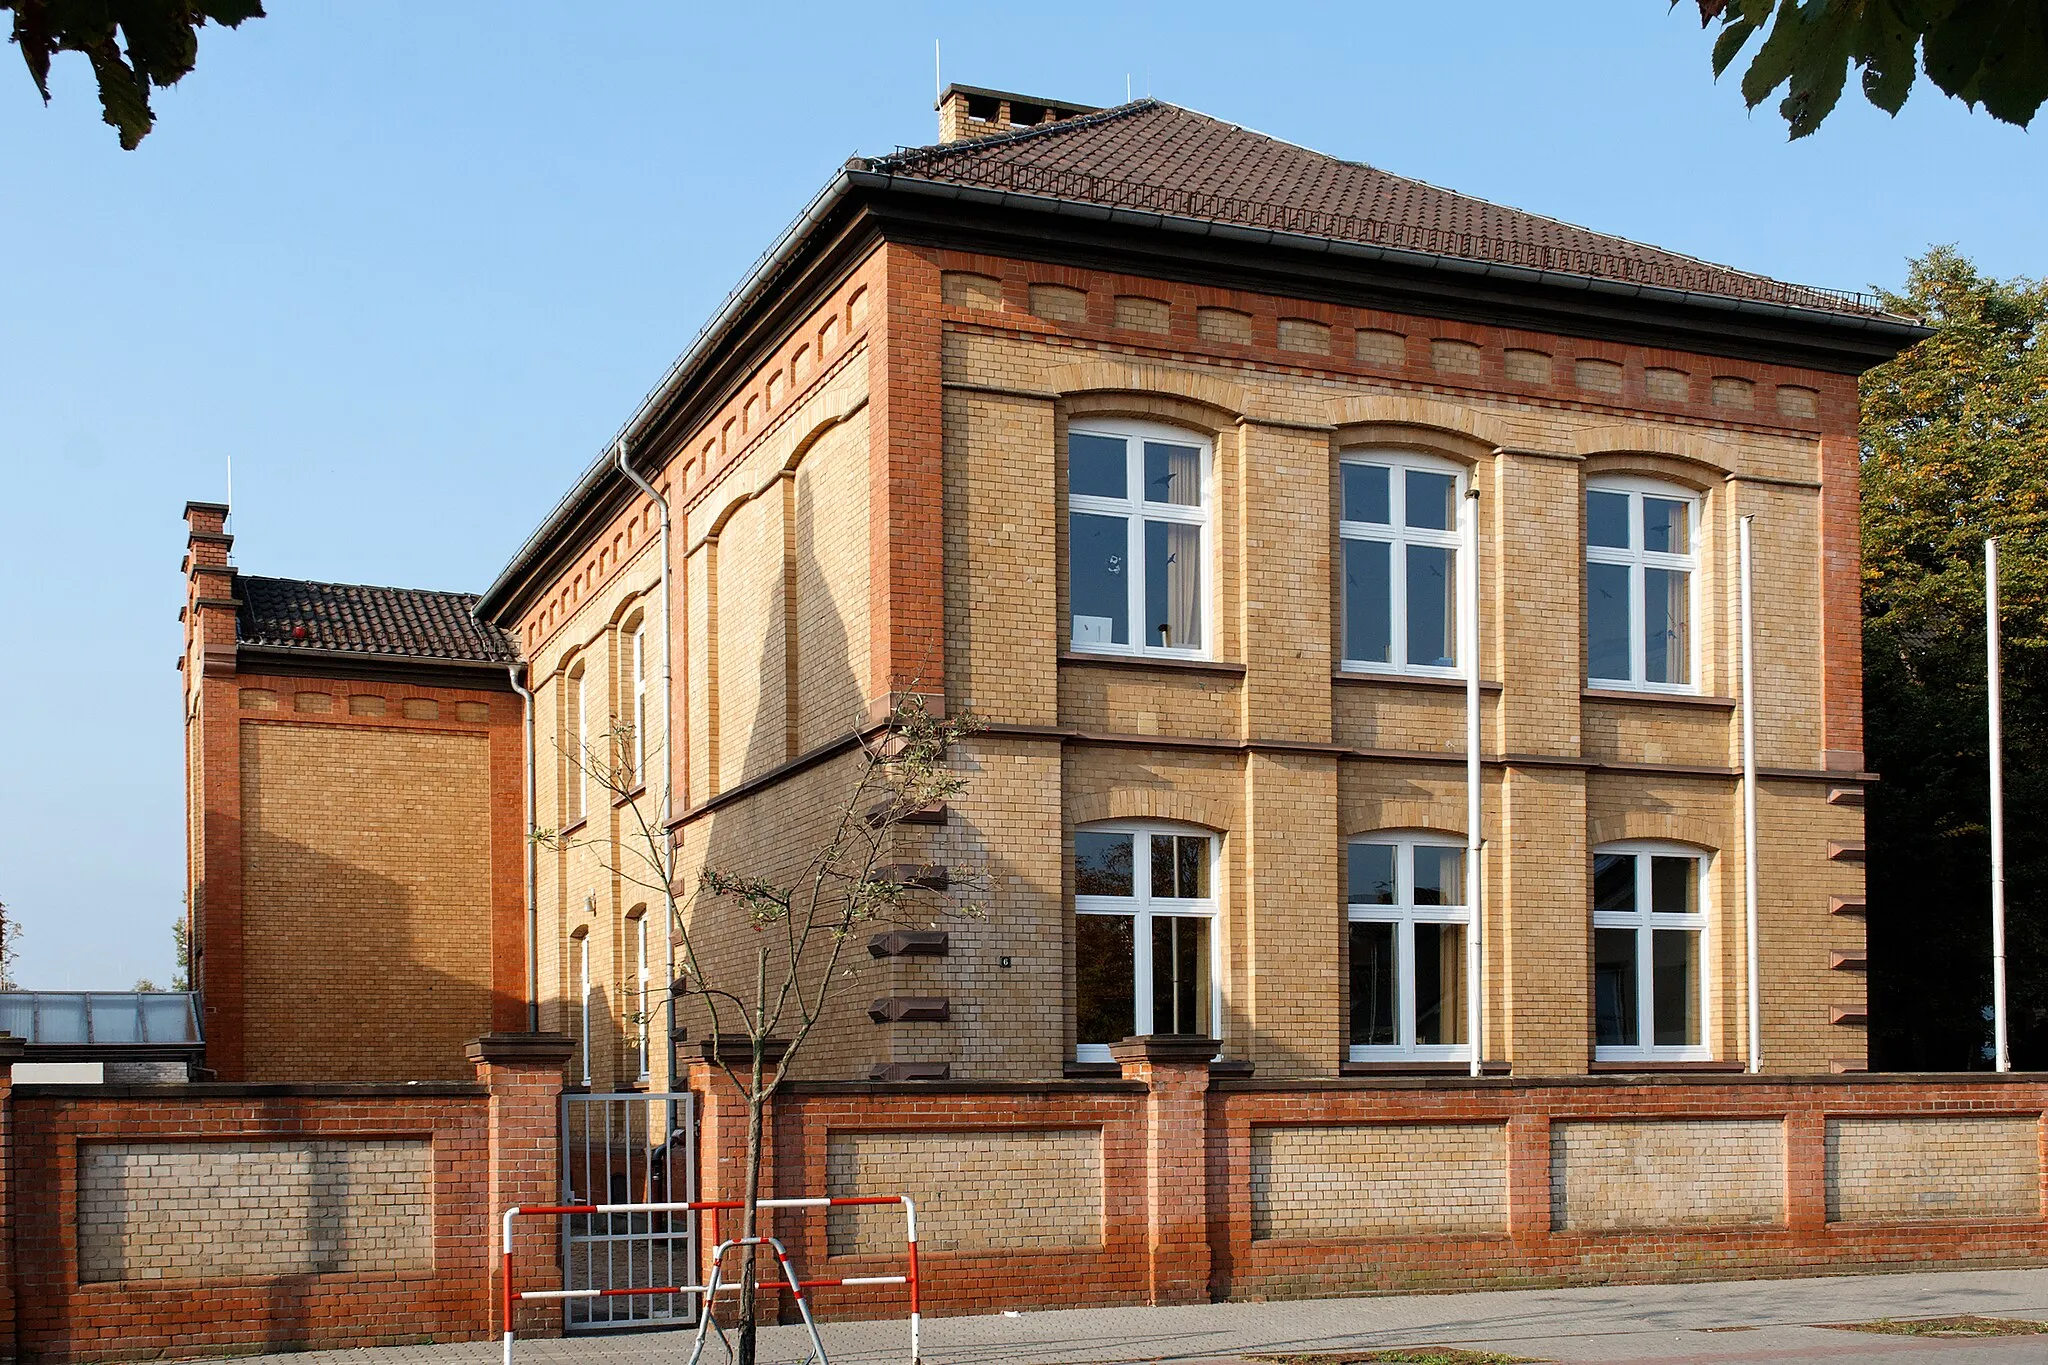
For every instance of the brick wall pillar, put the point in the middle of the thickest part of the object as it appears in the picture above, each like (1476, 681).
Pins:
(524, 1074)
(1529, 1211)
(722, 1139)
(1176, 1070)
(1806, 1170)
(11, 1049)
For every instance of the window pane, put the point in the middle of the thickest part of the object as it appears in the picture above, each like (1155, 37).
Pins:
(1667, 625)
(1096, 466)
(114, 1019)
(60, 1019)
(1607, 636)
(1607, 519)
(1432, 500)
(1615, 1022)
(1675, 987)
(1674, 885)
(1102, 864)
(1368, 601)
(1439, 983)
(1667, 526)
(1370, 874)
(1173, 585)
(167, 1019)
(1173, 474)
(1614, 881)
(1365, 493)
(1105, 982)
(1372, 985)
(1180, 975)
(1432, 609)
(1439, 876)
(1180, 866)
(1099, 591)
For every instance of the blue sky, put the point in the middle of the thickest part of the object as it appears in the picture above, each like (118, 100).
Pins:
(408, 266)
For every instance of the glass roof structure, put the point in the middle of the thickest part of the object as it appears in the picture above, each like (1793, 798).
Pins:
(101, 1018)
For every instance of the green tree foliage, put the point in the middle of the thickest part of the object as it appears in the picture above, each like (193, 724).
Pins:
(133, 45)
(1989, 52)
(1955, 448)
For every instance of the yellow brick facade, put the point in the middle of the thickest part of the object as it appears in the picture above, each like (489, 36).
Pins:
(782, 550)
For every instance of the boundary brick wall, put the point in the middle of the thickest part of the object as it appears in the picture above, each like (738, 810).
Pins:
(1393, 1184)
(356, 1215)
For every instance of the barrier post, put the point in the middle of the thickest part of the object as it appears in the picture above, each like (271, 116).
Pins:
(1176, 1070)
(523, 1072)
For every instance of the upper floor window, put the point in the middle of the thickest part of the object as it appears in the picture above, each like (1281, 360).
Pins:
(1144, 946)
(1649, 930)
(637, 750)
(1398, 535)
(579, 736)
(1408, 921)
(1642, 572)
(1138, 540)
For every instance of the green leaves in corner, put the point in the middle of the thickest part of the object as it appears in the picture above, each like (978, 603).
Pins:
(1988, 52)
(133, 45)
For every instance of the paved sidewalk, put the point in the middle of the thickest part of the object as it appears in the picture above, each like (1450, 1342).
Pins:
(1732, 1321)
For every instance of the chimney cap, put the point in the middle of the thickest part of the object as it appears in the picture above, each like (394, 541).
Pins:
(1059, 108)
(219, 507)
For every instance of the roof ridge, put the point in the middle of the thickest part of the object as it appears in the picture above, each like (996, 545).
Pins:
(372, 587)
(905, 155)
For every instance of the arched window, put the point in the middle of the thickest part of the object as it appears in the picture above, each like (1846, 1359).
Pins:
(1649, 953)
(1399, 542)
(579, 746)
(1642, 585)
(1138, 545)
(582, 947)
(637, 666)
(643, 979)
(1145, 947)
(1408, 921)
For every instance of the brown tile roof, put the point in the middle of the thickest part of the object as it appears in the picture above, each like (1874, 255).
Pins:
(1160, 158)
(348, 618)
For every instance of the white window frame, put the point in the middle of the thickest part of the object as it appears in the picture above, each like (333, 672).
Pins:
(640, 704)
(1645, 921)
(1405, 914)
(645, 977)
(1636, 559)
(1400, 536)
(1135, 512)
(583, 982)
(579, 761)
(1141, 907)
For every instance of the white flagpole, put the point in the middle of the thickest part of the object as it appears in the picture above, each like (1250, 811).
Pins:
(1749, 849)
(1468, 624)
(2004, 1054)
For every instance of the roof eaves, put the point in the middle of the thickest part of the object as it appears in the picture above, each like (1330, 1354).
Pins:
(1886, 324)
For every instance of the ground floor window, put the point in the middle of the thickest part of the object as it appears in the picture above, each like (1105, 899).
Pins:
(1408, 918)
(1649, 959)
(1145, 947)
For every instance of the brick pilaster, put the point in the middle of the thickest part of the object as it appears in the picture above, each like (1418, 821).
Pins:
(11, 1049)
(722, 1139)
(1176, 1162)
(524, 1074)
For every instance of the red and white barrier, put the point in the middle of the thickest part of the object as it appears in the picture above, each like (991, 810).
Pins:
(717, 1284)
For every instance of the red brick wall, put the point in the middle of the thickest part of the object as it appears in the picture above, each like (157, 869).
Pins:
(1206, 1159)
(492, 1144)
(60, 1318)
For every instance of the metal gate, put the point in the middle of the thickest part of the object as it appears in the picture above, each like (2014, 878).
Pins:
(629, 1149)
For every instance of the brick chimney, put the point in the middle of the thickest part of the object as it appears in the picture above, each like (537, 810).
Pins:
(968, 111)
(209, 593)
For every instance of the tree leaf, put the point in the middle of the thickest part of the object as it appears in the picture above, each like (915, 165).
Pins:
(1888, 50)
(2014, 78)
(1773, 64)
(1730, 43)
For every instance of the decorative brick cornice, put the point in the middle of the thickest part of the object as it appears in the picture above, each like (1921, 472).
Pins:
(522, 1049)
(1169, 1049)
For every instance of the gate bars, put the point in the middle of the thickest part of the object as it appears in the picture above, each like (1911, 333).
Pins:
(717, 1285)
